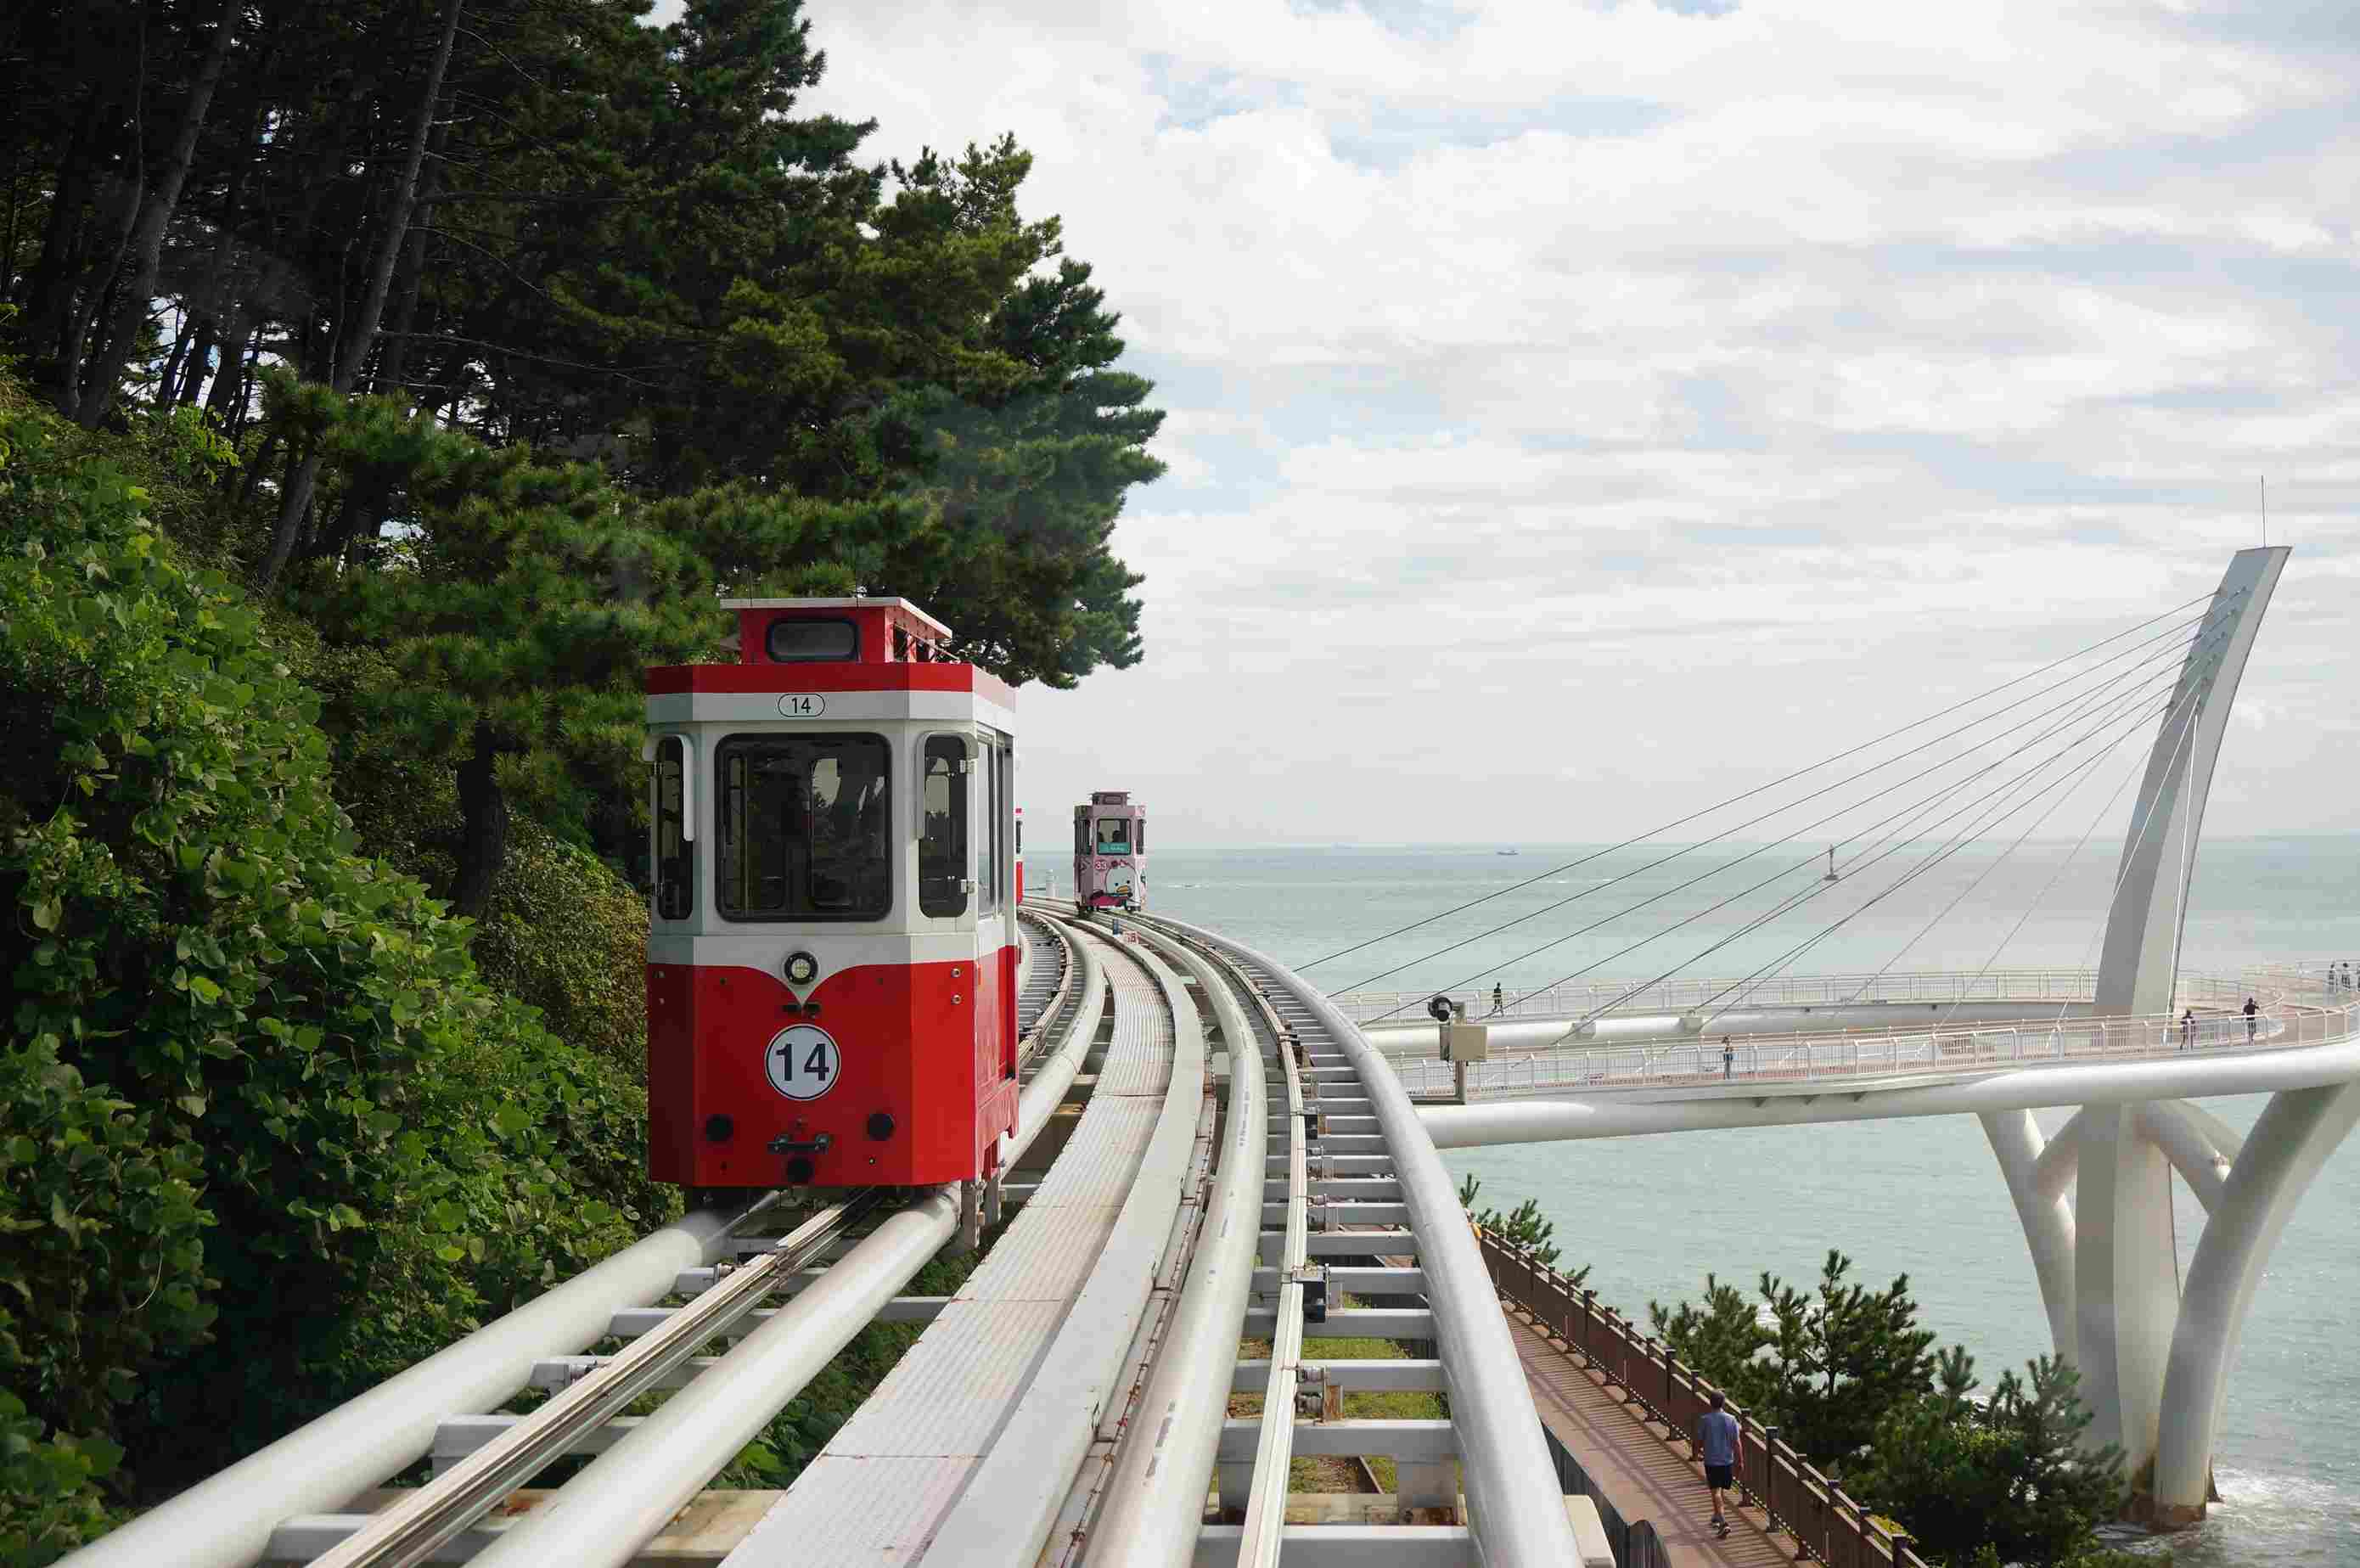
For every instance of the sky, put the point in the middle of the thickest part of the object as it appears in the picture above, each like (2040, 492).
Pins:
(1579, 413)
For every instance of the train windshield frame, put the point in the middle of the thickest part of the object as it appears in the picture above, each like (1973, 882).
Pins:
(803, 827)
(943, 873)
(1118, 840)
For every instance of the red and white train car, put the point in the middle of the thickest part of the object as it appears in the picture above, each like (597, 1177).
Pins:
(832, 952)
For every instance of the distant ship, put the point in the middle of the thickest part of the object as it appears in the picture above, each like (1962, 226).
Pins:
(1507, 851)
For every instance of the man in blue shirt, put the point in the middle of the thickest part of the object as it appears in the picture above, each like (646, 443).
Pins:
(1716, 1443)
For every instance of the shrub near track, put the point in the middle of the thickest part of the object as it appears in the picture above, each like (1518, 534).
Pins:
(267, 1135)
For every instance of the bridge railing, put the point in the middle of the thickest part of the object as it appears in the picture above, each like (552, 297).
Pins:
(1823, 1521)
(2304, 1011)
(1577, 997)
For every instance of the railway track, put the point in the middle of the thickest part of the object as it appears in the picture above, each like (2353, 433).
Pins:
(1069, 1406)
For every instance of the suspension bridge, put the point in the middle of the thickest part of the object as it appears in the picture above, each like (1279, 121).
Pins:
(1218, 1167)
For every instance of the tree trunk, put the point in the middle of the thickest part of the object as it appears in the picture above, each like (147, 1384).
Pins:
(168, 381)
(100, 379)
(362, 333)
(50, 287)
(483, 826)
(192, 368)
(226, 402)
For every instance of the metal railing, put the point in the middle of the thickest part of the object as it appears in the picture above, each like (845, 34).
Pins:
(1575, 998)
(2303, 1011)
(1825, 1523)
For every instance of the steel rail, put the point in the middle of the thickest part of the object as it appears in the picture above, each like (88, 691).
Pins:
(409, 1533)
(1058, 1064)
(1155, 1501)
(225, 1522)
(624, 1497)
(1511, 1484)
(1265, 1520)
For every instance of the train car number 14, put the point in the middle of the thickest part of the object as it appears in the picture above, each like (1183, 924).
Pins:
(801, 705)
(803, 1062)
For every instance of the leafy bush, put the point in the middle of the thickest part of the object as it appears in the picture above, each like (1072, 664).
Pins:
(387, 1150)
(567, 935)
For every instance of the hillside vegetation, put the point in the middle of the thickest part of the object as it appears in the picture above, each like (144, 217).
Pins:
(382, 386)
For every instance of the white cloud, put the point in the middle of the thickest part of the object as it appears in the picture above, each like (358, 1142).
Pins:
(1598, 406)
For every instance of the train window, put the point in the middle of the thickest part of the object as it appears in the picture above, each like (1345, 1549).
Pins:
(1114, 836)
(989, 843)
(803, 831)
(675, 864)
(942, 846)
(1081, 835)
(1139, 836)
(812, 641)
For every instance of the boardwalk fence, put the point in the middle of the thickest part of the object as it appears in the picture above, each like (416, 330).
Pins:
(1573, 1479)
(1825, 1524)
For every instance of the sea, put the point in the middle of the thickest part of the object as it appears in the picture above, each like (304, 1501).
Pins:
(1652, 1217)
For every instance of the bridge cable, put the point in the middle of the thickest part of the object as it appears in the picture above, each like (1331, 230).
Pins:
(1787, 778)
(1797, 901)
(2156, 657)
(2081, 703)
(2032, 908)
(2130, 854)
(2195, 655)
(1958, 841)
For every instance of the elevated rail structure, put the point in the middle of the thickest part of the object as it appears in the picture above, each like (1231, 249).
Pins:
(1068, 1404)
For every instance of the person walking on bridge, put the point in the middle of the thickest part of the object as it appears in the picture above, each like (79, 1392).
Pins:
(2188, 1029)
(1728, 1058)
(1716, 1445)
(2250, 1010)
(1499, 1002)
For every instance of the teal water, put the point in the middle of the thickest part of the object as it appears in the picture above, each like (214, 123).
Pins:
(1922, 1196)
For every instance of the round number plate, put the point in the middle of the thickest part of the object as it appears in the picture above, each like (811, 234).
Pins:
(802, 1061)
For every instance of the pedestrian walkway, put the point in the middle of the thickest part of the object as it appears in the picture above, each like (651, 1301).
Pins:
(1643, 1476)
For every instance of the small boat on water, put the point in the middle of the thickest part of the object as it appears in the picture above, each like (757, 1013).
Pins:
(1507, 851)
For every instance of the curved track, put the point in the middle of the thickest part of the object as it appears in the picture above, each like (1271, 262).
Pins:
(1068, 1405)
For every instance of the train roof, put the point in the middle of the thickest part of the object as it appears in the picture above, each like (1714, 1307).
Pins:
(903, 605)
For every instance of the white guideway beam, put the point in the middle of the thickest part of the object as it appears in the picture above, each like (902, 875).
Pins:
(1009, 1503)
(1156, 1498)
(226, 1521)
(626, 1496)
(1512, 1495)
(1273, 1457)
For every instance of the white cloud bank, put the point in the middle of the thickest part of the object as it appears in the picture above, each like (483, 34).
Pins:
(1580, 411)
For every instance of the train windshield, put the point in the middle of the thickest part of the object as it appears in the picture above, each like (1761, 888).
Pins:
(1114, 835)
(803, 830)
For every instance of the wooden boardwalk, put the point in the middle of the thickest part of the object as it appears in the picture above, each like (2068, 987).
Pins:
(1643, 1475)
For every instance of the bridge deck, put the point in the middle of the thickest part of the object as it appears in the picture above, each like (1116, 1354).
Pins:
(1640, 1473)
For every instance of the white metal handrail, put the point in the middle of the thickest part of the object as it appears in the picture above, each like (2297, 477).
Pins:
(1581, 997)
(2301, 1011)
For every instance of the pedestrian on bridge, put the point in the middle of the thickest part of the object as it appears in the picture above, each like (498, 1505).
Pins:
(1728, 1058)
(1499, 1003)
(2188, 1029)
(1716, 1445)
(2250, 1009)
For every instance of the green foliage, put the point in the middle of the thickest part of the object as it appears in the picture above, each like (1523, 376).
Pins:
(1524, 1227)
(1825, 1370)
(2008, 1479)
(565, 934)
(190, 932)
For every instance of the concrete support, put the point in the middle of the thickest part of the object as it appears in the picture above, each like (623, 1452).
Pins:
(2047, 1218)
(2125, 1279)
(2296, 1134)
